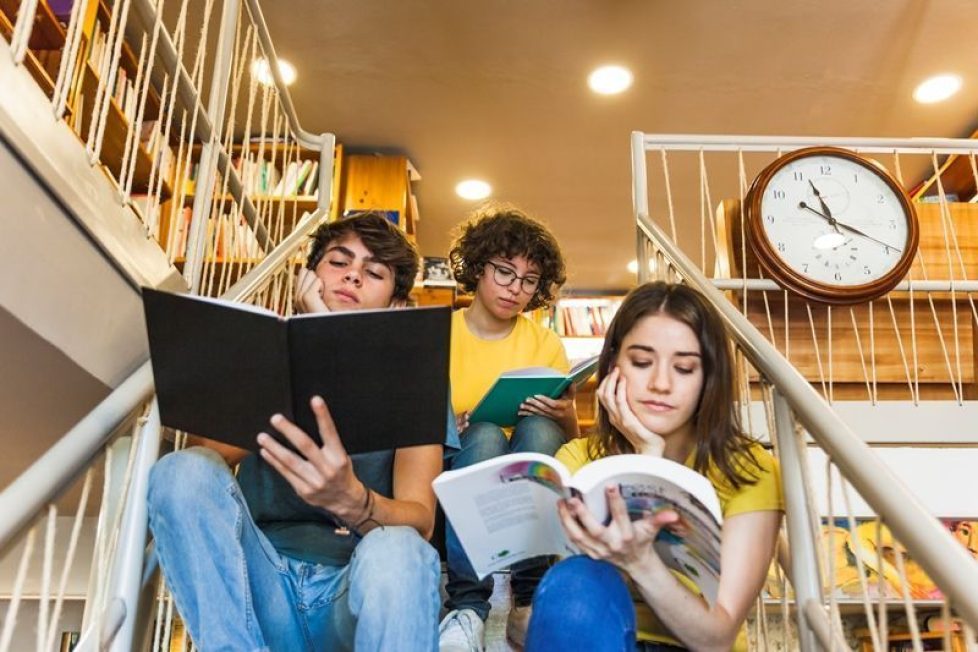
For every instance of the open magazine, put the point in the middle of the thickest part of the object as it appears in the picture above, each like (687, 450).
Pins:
(504, 510)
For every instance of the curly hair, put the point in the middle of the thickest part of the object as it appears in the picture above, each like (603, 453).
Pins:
(504, 230)
(386, 242)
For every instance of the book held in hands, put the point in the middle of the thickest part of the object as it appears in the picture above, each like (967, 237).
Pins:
(504, 510)
(223, 369)
(502, 402)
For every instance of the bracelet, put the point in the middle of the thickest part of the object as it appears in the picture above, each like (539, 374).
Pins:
(369, 518)
(343, 528)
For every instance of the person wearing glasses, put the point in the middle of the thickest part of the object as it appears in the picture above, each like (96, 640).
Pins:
(510, 263)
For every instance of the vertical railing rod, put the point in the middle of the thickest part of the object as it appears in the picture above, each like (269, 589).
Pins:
(196, 247)
(804, 562)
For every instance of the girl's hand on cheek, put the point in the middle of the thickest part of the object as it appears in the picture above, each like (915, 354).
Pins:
(612, 393)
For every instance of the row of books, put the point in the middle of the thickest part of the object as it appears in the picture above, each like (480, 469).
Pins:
(227, 239)
(583, 320)
(263, 179)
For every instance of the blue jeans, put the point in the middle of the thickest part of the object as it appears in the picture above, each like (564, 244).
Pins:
(583, 604)
(236, 592)
(480, 442)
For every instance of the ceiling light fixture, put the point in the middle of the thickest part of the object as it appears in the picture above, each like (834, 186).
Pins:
(262, 72)
(610, 80)
(937, 88)
(633, 266)
(473, 189)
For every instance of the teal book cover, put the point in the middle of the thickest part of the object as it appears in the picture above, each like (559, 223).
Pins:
(502, 402)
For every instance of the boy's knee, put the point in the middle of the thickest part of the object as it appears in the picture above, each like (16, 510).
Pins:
(399, 557)
(184, 475)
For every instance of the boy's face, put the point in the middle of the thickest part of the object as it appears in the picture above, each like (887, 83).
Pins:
(352, 279)
(501, 290)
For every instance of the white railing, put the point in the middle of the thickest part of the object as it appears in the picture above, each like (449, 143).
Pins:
(241, 243)
(793, 406)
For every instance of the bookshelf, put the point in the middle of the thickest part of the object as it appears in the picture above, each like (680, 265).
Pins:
(45, 45)
(381, 183)
(582, 322)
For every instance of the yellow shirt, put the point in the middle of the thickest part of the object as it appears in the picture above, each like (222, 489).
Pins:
(476, 363)
(764, 495)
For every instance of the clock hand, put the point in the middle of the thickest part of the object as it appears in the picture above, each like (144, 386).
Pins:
(831, 220)
(818, 196)
(852, 229)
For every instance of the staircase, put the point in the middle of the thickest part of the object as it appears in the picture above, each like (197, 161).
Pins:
(77, 396)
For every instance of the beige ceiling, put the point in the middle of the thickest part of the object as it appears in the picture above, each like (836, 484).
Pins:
(496, 89)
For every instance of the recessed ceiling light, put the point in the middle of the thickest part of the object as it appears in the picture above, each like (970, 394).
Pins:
(473, 189)
(937, 88)
(261, 71)
(633, 266)
(610, 80)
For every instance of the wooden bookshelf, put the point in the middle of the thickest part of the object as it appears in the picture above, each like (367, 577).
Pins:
(114, 142)
(43, 56)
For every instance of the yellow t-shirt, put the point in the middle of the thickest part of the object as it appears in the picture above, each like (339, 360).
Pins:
(476, 363)
(764, 495)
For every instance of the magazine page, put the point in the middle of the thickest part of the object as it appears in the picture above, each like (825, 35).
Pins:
(504, 510)
(651, 485)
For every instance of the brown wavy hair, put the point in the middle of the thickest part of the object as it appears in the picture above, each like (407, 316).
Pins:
(504, 230)
(386, 242)
(718, 435)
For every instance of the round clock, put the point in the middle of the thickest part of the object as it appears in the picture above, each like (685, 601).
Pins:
(831, 225)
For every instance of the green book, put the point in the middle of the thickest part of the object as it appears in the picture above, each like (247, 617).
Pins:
(502, 402)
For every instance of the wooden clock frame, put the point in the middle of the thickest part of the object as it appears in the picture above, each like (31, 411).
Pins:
(791, 280)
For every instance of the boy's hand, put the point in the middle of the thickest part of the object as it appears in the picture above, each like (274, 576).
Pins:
(612, 393)
(309, 292)
(322, 476)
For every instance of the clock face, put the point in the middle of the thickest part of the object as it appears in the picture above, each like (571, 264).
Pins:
(831, 225)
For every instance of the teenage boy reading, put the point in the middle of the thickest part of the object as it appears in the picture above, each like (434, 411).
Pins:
(510, 263)
(317, 550)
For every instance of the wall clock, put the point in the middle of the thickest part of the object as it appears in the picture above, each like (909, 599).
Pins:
(831, 226)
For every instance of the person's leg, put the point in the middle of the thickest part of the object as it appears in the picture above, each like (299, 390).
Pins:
(216, 560)
(480, 442)
(533, 434)
(582, 604)
(391, 601)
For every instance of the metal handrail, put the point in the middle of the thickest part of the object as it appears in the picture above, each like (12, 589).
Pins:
(61, 464)
(943, 558)
(715, 142)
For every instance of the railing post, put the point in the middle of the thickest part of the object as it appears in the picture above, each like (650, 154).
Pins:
(126, 577)
(326, 154)
(204, 195)
(804, 562)
(640, 202)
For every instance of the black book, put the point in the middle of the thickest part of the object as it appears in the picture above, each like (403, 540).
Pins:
(222, 369)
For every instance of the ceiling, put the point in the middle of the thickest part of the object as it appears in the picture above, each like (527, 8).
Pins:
(497, 89)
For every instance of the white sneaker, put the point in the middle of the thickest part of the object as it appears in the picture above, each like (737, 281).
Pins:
(462, 631)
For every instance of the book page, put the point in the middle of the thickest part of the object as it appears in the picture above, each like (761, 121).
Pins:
(651, 485)
(545, 372)
(504, 510)
(583, 370)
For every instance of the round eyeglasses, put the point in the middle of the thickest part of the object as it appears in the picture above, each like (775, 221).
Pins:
(504, 277)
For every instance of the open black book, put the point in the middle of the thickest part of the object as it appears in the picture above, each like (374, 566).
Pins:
(222, 369)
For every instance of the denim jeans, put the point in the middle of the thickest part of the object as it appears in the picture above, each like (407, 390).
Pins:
(583, 604)
(236, 592)
(480, 442)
